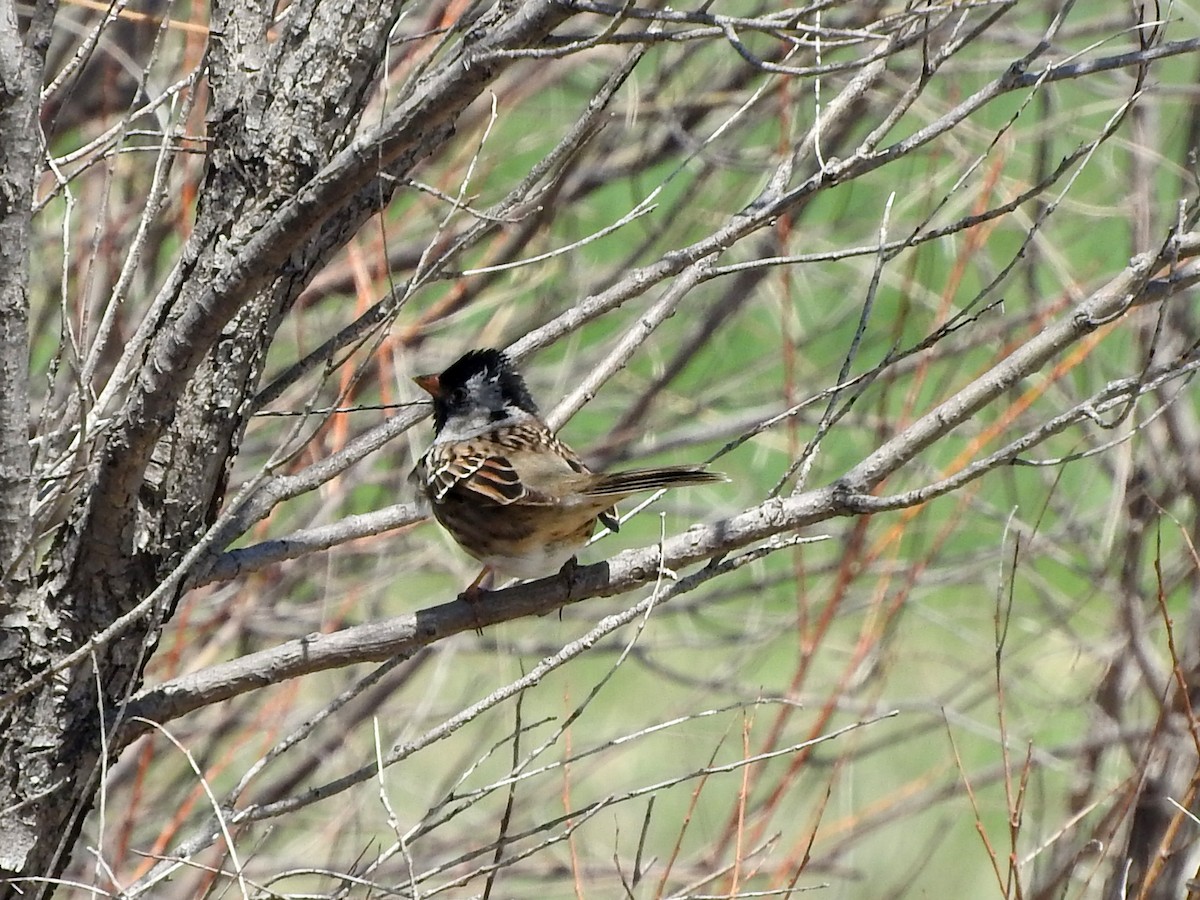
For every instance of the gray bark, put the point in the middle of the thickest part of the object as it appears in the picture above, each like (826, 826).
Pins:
(20, 79)
(28, 628)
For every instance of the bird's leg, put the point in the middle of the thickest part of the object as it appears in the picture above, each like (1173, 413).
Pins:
(476, 589)
(568, 570)
(481, 585)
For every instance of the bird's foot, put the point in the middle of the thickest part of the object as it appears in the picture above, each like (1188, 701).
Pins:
(474, 592)
(567, 573)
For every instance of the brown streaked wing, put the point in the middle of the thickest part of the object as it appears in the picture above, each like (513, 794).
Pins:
(570, 456)
(467, 467)
(534, 436)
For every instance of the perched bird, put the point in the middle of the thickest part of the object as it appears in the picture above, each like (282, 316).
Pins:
(510, 493)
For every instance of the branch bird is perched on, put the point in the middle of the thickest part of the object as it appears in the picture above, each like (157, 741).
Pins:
(510, 493)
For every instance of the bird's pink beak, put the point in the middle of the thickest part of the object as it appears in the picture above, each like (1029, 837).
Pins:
(430, 384)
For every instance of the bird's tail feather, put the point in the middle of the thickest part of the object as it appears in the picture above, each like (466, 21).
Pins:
(634, 480)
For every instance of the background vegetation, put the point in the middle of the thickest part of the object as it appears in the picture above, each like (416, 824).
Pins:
(916, 275)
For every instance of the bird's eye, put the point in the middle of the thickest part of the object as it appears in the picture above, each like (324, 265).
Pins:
(458, 396)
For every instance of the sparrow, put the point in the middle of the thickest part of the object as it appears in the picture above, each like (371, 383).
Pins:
(513, 495)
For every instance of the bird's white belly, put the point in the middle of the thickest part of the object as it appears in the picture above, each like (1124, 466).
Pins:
(534, 563)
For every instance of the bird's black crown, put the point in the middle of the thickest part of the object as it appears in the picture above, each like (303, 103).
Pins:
(475, 378)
